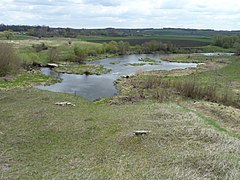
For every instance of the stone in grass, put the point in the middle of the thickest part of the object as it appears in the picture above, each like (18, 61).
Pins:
(65, 104)
(141, 132)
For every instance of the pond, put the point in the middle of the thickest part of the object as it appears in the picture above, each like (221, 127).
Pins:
(93, 87)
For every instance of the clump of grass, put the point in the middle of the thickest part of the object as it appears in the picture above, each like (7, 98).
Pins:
(88, 69)
(136, 64)
(154, 63)
(147, 60)
(114, 62)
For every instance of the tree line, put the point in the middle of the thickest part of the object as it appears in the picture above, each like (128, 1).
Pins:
(123, 48)
(46, 31)
(227, 41)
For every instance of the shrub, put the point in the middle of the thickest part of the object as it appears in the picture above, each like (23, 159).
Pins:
(9, 62)
(80, 53)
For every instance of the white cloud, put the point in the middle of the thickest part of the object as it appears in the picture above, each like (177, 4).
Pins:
(220, 14)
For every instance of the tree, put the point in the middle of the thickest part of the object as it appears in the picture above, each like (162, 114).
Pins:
(8, 34)
(112, 47)
(123, 47)
(225, 41)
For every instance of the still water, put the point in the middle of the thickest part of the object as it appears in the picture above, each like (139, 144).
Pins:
(93, 87)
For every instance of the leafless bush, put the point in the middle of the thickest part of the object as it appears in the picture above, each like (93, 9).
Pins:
(40, 47)
(53, 55)
(9, 62)
(195, 90)
(161, 89)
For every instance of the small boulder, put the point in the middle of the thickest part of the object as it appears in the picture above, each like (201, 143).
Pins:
(65, 104)
(52, 65)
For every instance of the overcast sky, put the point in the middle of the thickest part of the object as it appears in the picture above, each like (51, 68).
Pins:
(203, 14)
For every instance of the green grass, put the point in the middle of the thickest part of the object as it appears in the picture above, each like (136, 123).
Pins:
(221, 77)
(40, 140)
(29, 55)
(88, 69)
(27, 79)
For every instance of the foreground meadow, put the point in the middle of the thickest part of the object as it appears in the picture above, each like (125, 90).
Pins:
(40, 140)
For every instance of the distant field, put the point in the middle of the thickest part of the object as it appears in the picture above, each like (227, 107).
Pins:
(180, 41)
(16, 37)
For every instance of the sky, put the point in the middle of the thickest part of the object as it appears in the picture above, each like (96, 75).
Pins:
(200, 14)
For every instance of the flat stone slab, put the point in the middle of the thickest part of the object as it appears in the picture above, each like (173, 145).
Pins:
(141, 132)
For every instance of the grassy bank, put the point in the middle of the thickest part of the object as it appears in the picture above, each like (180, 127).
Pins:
(196, 58)
(26, 79)
(40, 140)
(217, 81)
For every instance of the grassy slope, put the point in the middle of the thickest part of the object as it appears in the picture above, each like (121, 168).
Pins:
(223, 78)
(41, 140)
(217, 80)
